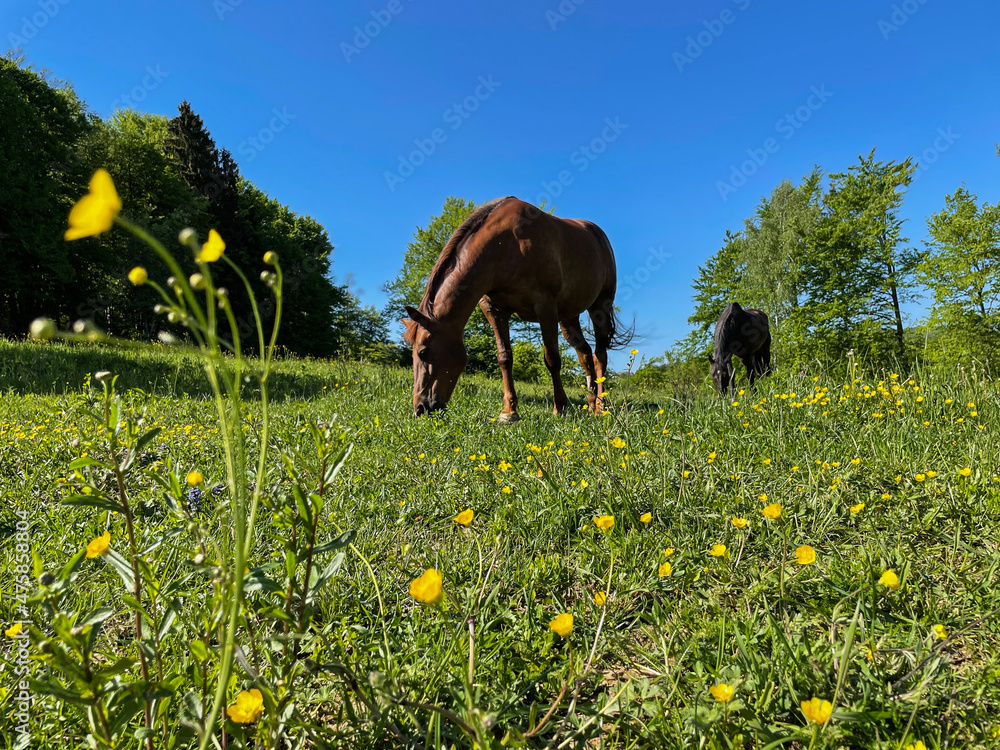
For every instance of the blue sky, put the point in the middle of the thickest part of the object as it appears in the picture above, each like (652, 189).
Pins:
(663, 122)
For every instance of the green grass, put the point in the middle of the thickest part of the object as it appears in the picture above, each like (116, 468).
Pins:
(634, 673)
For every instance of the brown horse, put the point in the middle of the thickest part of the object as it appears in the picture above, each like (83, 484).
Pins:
(743, 333)
(511, 258)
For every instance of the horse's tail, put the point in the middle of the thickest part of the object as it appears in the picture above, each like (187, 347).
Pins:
(619, 337)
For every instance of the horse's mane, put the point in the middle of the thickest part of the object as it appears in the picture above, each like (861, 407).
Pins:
(728, 326)
(446, 261)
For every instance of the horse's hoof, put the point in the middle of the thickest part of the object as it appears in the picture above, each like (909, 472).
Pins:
(508, 418)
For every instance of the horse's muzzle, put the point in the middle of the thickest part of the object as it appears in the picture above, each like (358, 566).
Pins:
(426, 407)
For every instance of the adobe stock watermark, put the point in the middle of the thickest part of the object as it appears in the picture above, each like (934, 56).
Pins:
(714, 28)
(901, 13)
(927, 157)
(18, 633)
(455, 116)
(632, 282)
(786, 126)
(138, 93)
(30, 26)
(581, 158)
(564, 10)
(257, 143)
(363, 35)
(222, 7)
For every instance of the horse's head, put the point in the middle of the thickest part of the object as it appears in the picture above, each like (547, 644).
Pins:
(438, 359)
(722, 373)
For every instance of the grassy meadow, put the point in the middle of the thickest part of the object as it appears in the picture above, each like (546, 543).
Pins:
(858, 475)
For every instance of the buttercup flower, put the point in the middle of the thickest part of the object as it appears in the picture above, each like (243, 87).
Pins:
(249, 705)
(965, 472)
(940, 632)
(427, 587)
(465, 517)
(138, 276)
(95, 212)
(13, 631)
(816, 710)
(920, 477)
(718, 550)
(599, 598)
(721, 692)
(805, 555)
(646, 517)
(918, 745)
(562, 625)
(634, 352)
(772, 511)
(857, 508)
(618, 443)
(664, 570)
(212, 250)
(604, 523)
(740, 523)
(99, 545)
(889, 579)
(194, 478)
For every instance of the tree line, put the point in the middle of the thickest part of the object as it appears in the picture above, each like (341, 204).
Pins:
(828, 261)
(169, 174)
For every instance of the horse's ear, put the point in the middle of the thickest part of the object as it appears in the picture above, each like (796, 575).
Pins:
(409, 331)
(420, 318)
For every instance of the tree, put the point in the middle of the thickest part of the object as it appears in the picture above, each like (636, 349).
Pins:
(856, 270)
(961, 270)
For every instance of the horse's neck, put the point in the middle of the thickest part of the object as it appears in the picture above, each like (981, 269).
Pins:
(460, 292)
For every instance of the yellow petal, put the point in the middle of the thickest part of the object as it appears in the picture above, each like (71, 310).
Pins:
(212, 250)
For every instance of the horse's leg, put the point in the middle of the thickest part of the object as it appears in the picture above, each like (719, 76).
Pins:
(574, 335)
(500, 322)
(750, 362)
(549, 323)
(601, 316)
(763, 357)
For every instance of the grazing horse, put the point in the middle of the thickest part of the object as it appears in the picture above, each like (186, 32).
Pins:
(743, 333)
(510, 258)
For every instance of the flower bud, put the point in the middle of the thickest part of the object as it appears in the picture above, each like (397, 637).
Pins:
(80, 326)
(267, 277)
(271, 258)
(199, 559)
(188, 237)
(166, 338)
(138, 276)
(102, 376)
(44, 647)
(42, 329)
(160, 309)
(46, 579)
(76, 632)
(197, 281)
(173, 316)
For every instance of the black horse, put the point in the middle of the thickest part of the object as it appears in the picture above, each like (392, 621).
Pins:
(743, 333)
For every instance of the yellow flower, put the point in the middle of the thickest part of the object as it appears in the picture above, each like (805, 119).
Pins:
(99, 545)
(271, 257)
(805, 555)
(965, 472)
(859, 507)
(212, 250)
(646, 517)
(194, 478)
(618, 443)
(584, 484)
(562, 625)
(249, 705)
(465, 517)
(668, 551)
(664, 570)
(855, 461)
(920, 477)
(604, 523)
(940, 632)
(634, 352)
(13, 631)
(721, 692)
(762, 498)
(718, 550)
(427, 588)
(96, 211)
(918, 745)
(600, 379)
(740, 523)
(889, 579)
(599, 598)
(138, 276)
(506, 490)
(767, 462)
(772, 511)
(816, 710)
(931, 474)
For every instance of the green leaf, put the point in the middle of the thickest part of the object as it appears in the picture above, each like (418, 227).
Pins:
(96, 617)
(341, 541)
(79, 463)
(93, 501)
(338, 463)
(123, 568)
(328, 572)
(199, 649)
